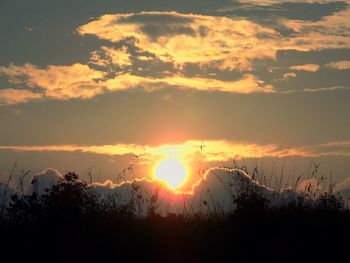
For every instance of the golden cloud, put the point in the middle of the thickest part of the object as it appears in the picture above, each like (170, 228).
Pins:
(16, 96)
(57, 82)
(248, 84)
(81, 81)
(210, 151)
(306, 67)
(208, 41)
(328, 33)
(193, 153)
(339, 65)
(109, 56)
(289, 75)
(189, 38)
(218, 41)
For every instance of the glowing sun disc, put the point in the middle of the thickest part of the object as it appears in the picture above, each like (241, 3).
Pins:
(172, 171)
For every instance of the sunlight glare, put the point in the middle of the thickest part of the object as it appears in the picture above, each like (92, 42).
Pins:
(172, 171)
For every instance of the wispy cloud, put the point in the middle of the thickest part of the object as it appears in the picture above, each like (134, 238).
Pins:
(325, 89)
(16, 96)
(81, 81)
(314, 90)
(56, 82)
(339, 65)
(211, 150)
(289, 75)
(331, 32)
(248, 84)
(306, 67)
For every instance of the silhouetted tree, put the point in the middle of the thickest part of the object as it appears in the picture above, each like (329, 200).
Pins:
(70, 198)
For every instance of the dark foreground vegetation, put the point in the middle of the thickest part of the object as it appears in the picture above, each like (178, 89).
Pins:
(70, 224)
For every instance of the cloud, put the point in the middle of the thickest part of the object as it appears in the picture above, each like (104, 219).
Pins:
(214, 150)
(339, 65)
(127, 81)
(306, 67)
(107, 56)
(214, 42)
(188, 38)
(220, 186)
(248, 84)
(194, 154)
(210, 150)
(56, 82)
(325, 89)
(15, 96)
(336, 143)
(219, 41)
(289, 75)
(44, 180)
(81, 81)
(313, 90)
(331, 32)
(216, 190)
(139, 192)
(178, 40)
(213, 192)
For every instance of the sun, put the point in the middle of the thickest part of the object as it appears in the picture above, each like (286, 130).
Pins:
(172, 171)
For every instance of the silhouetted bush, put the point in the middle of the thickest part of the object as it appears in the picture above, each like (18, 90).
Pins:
(25, 209)
(251, 203)
(330, 203)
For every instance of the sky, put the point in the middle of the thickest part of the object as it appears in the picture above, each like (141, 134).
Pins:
(101, 86)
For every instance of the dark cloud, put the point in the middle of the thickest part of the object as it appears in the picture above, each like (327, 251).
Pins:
(286, 58)
(157, 24)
